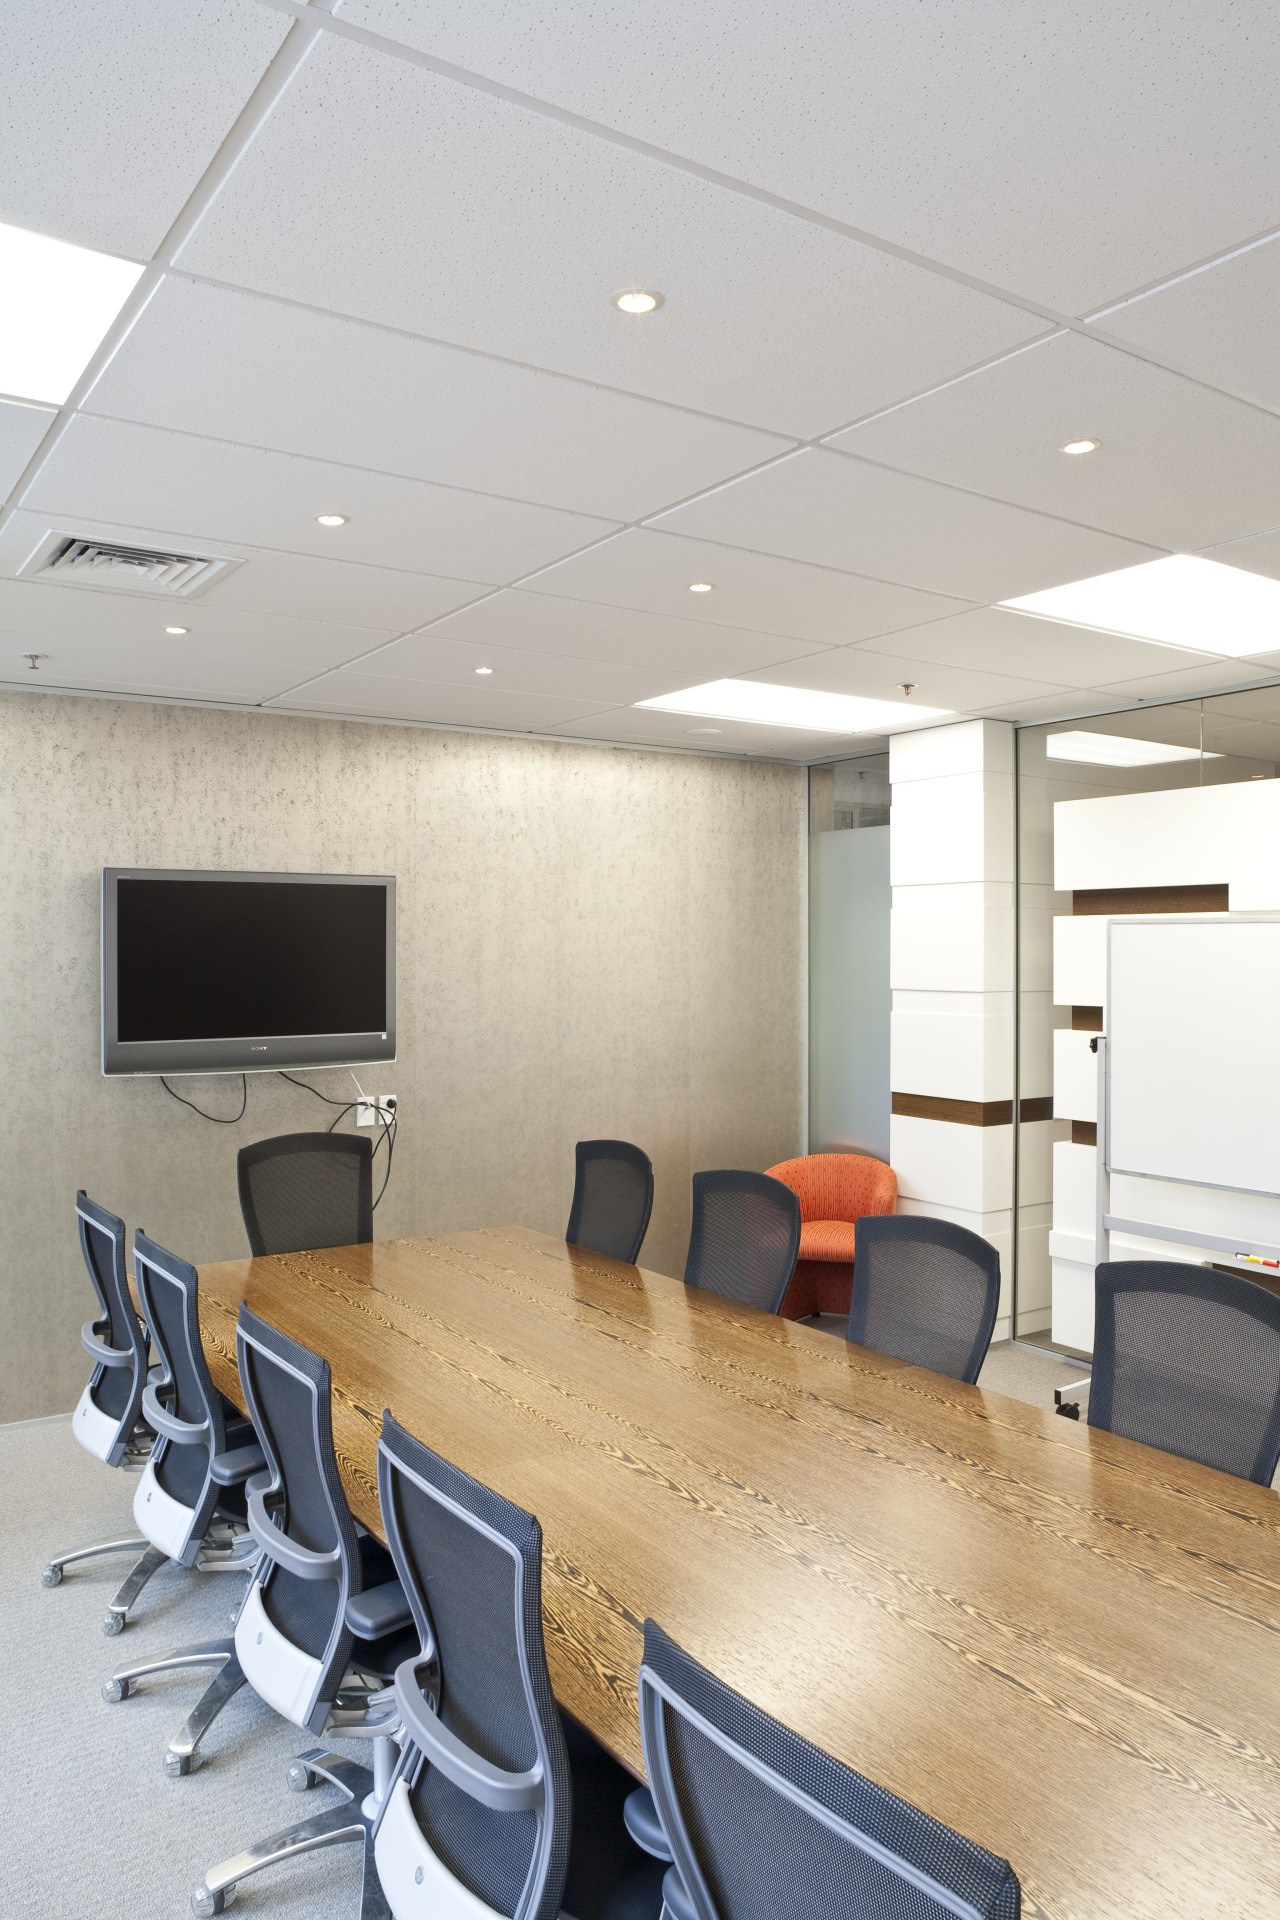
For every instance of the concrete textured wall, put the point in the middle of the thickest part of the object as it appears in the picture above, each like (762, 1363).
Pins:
(591, 942)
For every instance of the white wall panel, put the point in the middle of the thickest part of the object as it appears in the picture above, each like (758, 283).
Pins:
(952, 939)
(964, 1053)
(968, 746)
(1075, 1077)
(1080, 960)
(1074, 1189)
(953, 1166)
(955, 828)
(1073, 1304)
(1184, 836)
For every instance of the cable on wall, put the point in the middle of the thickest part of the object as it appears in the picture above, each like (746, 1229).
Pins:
(218, 1119)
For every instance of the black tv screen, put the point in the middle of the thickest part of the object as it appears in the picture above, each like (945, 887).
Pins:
(231, 972)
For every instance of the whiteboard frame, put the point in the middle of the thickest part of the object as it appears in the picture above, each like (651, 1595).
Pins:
(1171, 920)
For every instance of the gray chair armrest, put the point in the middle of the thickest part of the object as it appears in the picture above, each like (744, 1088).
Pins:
(277, 1545)
(184, 1433)
(642, 1823)
(478, 1778)
(97, 1349)
(229, 1469)
(379, 1610)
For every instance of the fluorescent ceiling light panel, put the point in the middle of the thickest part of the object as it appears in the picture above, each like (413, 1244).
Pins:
(1116, 750)
(58, 302)
(767, 705)
(1183, 601)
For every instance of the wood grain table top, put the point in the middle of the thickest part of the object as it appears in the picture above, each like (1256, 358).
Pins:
(1063, 1644)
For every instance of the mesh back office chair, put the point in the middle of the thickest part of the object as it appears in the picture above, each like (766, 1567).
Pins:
(305, 1190)
(495, 1798)
(744, 1238)
(1188, 1360)
(108, 1420)
(325, 1622)
(612, 1199)
(761, 1823)
(190, 1500)
(925, 1291)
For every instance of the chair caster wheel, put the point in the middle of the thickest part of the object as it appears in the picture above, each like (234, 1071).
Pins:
(51, 1577)
(301, 1778)
(204, 1903)
(177, 1766)
(113, 1691)
(112, 1624)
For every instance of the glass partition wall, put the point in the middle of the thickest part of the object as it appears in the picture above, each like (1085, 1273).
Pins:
(1229, 738)
(849, 995)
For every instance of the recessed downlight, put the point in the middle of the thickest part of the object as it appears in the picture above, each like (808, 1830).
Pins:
(701, 586)
(484, 669)
(1081, 446)
(637, 300)
(176, 630)
(331, 519)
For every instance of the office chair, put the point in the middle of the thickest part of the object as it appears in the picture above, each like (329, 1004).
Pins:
(744, 1237)
(612, 1199)
(499, 1805)
(761, 1823)
(108, 1421)
(924, 1291)
(1188, 1359)
(190, 1500)
(299, 1191)
(325, 1623)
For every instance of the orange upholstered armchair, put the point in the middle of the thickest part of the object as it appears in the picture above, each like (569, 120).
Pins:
(834, 1191)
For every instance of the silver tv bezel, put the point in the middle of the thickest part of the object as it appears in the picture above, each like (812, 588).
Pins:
(246, 1053)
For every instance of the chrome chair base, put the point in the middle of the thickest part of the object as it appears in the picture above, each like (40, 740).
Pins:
(182, 1755)
(336, 1826)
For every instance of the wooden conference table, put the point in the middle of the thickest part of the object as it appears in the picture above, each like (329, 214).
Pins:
(1065, 1645)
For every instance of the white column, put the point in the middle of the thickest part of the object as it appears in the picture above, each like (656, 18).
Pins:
(952, 974)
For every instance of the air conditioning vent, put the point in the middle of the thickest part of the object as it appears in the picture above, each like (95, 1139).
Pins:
(81, 562)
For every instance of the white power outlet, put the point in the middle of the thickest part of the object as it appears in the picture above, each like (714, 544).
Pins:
(381, 1107)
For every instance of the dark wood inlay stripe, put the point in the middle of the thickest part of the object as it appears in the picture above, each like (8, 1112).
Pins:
(1086, 1019)
(971, 1113)
(1084, 1133)
(1200, 899)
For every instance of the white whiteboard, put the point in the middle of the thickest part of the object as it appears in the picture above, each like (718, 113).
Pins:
(1193, 1046)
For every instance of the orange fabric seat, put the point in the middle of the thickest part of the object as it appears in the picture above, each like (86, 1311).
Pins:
(826, 1240)
(835, 1191)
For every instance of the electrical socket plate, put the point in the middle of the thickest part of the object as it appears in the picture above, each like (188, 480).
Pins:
(368, 1111)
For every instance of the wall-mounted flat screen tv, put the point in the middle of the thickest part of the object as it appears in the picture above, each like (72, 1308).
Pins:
(237, 972)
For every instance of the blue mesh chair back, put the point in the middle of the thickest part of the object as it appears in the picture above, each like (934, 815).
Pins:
(761, 1823)
(1188, 1359)
(612, 1199)
(113, 1339)
(483, 1792)
(744, 1237)
(183, 1405)
(925, 1291)
(304, 1190)
(288, 1392)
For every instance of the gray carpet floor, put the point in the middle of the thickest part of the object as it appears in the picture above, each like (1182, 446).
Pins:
(95, 1826)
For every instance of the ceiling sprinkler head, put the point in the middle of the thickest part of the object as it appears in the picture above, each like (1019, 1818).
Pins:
(33, 660)
(907, 686)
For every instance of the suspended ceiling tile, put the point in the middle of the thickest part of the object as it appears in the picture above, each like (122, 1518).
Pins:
(452, 662)
(879, 676)
(198, 488)
(378, 696)
(837, 512)
(22, 428)
(1071, 154)
(112, 110)
(1191, 682)
(649, 569)
(992, 640)
(1178, 465)
(519, 230)
(1218, 324)
(239, 367)
(683, 651)
(1261, 554)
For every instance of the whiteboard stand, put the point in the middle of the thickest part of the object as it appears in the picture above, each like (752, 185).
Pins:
(1102, 1174)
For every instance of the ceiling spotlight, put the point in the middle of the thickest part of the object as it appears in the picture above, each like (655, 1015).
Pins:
(701, 586)
(1081, 446)
(332, 519)
(177, 629)
(636, 300)
(484, 669)
(704, 729)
